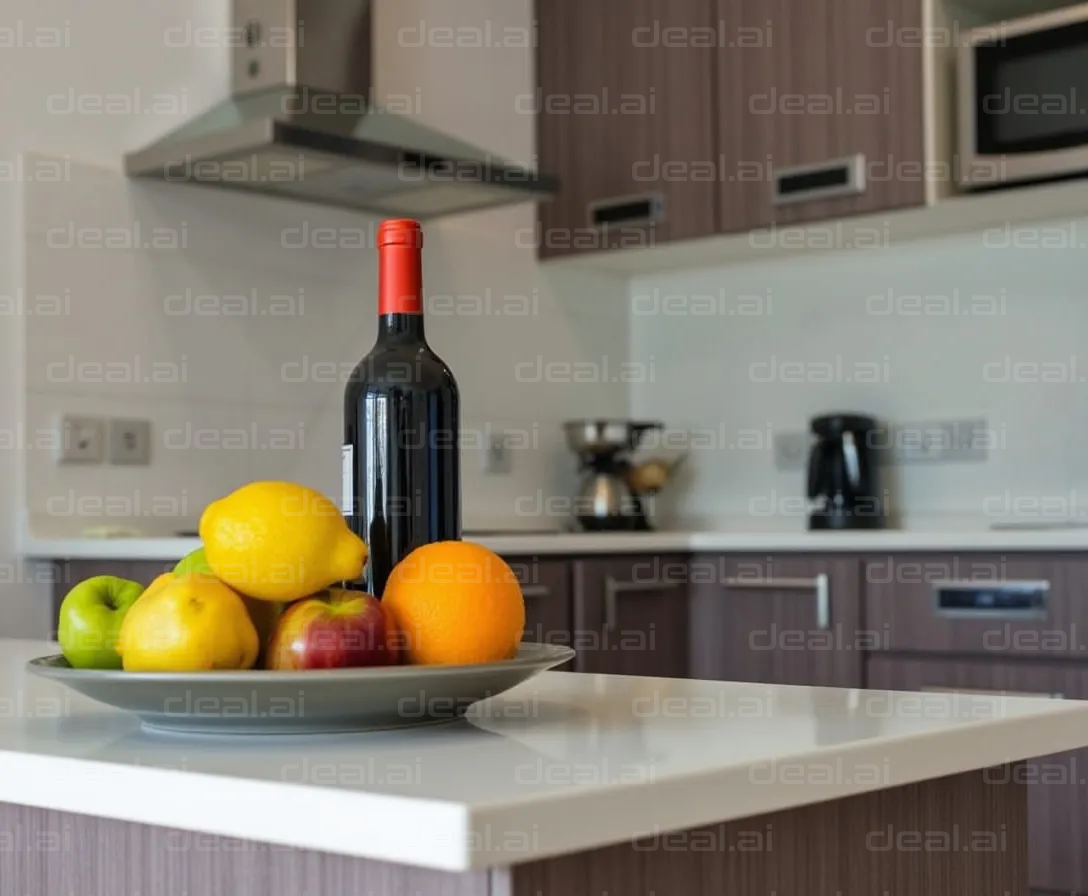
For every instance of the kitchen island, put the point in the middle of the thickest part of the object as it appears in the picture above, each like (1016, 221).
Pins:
(568, 784)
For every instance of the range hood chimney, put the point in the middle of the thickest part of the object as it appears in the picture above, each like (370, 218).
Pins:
(301, 124)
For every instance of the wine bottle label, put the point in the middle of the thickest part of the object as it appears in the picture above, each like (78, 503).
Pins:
(347, 479)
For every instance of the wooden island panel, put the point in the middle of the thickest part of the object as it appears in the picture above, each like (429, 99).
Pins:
(965, 834)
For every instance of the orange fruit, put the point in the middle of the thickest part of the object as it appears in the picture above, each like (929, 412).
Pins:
(455, 602)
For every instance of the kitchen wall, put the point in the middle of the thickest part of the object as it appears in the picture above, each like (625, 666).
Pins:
(991, 324)
(233, 393)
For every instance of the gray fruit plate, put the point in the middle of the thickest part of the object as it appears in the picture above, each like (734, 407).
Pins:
(313, 702)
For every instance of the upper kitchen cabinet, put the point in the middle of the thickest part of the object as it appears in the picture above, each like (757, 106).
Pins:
(626, 110)
(820, 109)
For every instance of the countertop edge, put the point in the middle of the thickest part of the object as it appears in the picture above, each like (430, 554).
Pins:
(167, 549)
(408, 831)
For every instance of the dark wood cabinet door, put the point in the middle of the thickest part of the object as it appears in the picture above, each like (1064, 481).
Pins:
(1057, 784)
(625, 111)
(806, 82)
(781, 620)
(545, 585)
(631, 616)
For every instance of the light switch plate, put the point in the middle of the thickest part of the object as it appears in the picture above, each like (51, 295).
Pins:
(130, 442)
(82, 440)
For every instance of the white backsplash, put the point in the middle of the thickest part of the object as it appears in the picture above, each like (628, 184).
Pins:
(251, 387)
(233, 330)
(991, 325)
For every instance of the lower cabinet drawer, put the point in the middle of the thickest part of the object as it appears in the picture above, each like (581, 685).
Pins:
(1057, 785)
(978, 603)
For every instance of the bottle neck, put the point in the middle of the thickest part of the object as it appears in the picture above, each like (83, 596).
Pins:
(401, 328)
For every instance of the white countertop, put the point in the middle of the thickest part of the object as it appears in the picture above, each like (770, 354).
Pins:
(634, 542)
(563, 763)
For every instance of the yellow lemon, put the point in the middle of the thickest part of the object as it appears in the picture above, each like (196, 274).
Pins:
(279, 541)
(188, 626)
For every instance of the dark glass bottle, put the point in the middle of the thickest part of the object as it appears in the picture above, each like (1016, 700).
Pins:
(401, 457)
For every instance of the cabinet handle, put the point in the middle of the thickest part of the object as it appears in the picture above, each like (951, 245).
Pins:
(627, 211)
(824, 180)
(535, 591)
(613, 588)
(1007, 599)
(991, 692)
(819, 584)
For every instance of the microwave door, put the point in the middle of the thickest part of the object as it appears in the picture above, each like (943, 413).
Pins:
(1024, 100)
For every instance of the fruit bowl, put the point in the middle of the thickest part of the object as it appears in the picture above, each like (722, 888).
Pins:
(310, 702)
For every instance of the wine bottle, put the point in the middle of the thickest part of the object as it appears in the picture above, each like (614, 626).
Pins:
(401, 454)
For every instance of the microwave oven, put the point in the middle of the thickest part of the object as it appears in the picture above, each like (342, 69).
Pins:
(1023, 100)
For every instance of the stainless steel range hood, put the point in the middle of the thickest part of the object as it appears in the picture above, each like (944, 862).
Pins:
(301, 125)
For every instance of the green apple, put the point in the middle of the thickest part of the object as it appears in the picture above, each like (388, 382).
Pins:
(193, 564)
(90, 620)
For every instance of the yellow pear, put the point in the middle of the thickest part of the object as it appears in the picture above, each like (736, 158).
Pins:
(188, 625)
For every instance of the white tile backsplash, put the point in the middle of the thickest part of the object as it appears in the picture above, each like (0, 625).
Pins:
(240, 359)
(931, 330)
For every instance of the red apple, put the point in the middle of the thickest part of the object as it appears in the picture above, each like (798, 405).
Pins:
(335, 629)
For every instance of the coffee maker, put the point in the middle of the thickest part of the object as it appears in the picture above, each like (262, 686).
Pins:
(843, 478)
(615, 490)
